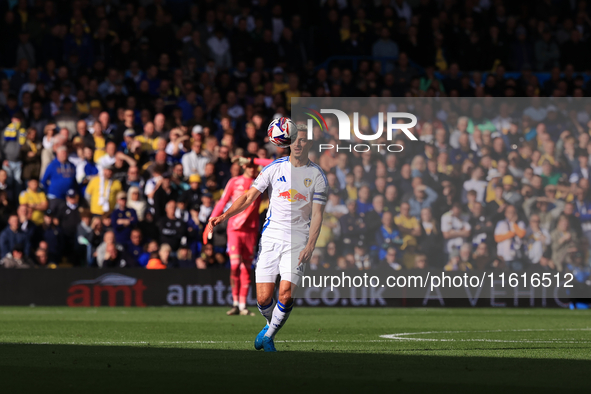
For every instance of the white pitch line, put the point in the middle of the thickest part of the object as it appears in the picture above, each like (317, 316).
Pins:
(184, 342)
(404, 336)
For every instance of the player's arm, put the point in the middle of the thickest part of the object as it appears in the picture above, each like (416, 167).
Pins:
(262, 162)
(219, 207)
(315, 225)
(258, 161)
(238, 206)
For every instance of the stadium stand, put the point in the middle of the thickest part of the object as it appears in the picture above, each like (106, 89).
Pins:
(111, 109)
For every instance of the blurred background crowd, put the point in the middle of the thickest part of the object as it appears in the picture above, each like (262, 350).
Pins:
(122, 122)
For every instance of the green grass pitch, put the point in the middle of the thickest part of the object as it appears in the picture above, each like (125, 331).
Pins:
(167, 350)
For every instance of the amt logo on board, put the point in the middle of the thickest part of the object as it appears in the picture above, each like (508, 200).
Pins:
(112, 287)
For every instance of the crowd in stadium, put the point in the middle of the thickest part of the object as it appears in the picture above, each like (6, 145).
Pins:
(123, 121)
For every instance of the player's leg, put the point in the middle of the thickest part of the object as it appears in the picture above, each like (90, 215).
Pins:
(244, 287)
(291, 274)
(247, 242)
(282, 309)
(265, 301)
(266, 273)
(235, 262)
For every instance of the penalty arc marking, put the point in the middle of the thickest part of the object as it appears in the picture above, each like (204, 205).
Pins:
(410, 336)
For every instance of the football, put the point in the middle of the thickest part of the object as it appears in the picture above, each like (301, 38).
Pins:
(282, 132)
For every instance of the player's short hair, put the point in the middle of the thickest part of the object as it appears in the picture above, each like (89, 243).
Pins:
(302, 127)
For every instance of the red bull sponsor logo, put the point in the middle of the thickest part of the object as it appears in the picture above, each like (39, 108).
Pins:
(292, 195)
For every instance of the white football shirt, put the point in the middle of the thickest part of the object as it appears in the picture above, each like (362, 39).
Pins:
(292, 191)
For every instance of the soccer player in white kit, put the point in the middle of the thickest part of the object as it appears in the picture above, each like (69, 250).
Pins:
(297, 195)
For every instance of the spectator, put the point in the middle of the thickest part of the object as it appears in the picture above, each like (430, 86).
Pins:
(475, 183)
(54, 236)
(13, 137)
(461, 260)
(423, 197)
(41, 258)
(352, 227)
(387, 235)
(537, 240)
(135, 202)
(123, 219)
(455, 228)
(114, 258)
(194, 162)
(546, 51)
(135, 247)
(173, 231)
(564, 242)
(385, 47)
(31, 156)
(334, 206)
(509, 234)
(219, 47)
(430, 241)
(582, 169)
(408, 225)
(362, 261)
(163, 194)
(86, 169)
(155, 263)
(16, 259)
(481, 257)
(481, 226)
(583, 212)
(510, 195)
(34, 199)
(69, 217)
(101, 192)
(12, 236)
(103, 237)
(59, 178)
(390, 260)
(164, 255)
(548, 210)
(84, 236)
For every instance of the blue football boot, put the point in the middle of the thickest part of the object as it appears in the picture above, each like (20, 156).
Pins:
(258, 341)
(268, 344)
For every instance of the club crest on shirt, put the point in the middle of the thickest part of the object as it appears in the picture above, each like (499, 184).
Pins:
(307, 182)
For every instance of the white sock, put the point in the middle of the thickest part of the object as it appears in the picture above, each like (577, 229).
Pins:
(280, 315)
(267, 310)
(241, 306)
(235, 303)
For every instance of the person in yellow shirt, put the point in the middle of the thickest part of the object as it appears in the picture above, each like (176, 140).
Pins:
(34, 199)
(350, 186)
(101, 192)
(279, 85)
(292, 90)
(148, 140)
(408, 226)
(99, 141)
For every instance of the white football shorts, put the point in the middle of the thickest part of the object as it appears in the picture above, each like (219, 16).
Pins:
(279, 257)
